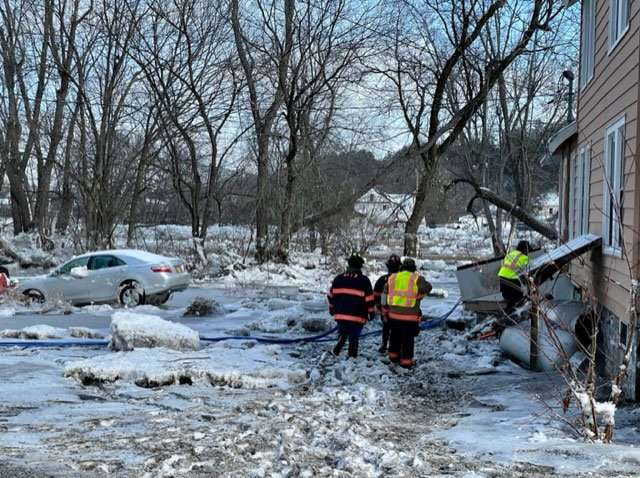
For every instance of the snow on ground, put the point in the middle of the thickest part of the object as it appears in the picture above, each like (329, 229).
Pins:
(244, 409)
(240, 408)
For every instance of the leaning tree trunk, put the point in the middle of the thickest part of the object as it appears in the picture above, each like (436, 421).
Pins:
(514, 210)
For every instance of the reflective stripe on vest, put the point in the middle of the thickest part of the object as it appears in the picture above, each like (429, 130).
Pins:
(403, 289)
(512, 265)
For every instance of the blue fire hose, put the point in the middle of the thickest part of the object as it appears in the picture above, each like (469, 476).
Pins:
(323, 337)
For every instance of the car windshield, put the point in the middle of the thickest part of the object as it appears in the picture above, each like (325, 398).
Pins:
(77, 262)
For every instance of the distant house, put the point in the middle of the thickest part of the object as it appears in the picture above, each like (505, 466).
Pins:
(599, 183)
(385, 209)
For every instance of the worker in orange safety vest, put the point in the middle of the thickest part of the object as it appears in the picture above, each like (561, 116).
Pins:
(402, 296)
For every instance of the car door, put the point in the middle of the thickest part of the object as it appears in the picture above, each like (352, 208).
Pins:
(71, 289)
(105, 275)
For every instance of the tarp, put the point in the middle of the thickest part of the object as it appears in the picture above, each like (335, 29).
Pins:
(545, 266)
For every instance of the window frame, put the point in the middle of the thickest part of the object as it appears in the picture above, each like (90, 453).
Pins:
(613, 187)
(587, 44)
(616, 20)
(580, 193)
(623, 333)
(70, 263)
(585, 158)
(110, 256)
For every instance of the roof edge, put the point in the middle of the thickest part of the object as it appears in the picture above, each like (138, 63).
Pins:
(562, 136)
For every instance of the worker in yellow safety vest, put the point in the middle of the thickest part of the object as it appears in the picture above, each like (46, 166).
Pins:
(514, 264)
(401, 301)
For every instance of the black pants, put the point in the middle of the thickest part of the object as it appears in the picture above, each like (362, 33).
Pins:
(401, 344)
(511, 292)
(386, 331)
(348, 330)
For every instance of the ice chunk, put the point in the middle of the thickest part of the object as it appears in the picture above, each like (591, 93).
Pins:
(10, 334)
(158, 367)
(130, 330)
(316, 324)
(40, 332)
(85, 333)
(201, 306)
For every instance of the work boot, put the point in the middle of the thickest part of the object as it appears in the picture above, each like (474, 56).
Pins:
(407, 363)
(394, 356)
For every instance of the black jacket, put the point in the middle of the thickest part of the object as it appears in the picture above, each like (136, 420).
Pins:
(351, 297)
(378, 290)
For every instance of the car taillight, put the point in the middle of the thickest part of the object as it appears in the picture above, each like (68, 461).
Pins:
(161, 268)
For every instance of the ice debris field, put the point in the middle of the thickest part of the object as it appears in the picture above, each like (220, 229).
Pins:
(154, 400)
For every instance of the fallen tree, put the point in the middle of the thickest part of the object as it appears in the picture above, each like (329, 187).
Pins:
(513, 209)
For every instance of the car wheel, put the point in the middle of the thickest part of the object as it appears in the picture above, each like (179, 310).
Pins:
(34, 297)
(131, 295)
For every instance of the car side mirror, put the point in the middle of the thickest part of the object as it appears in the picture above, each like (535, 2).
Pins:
(79, 272)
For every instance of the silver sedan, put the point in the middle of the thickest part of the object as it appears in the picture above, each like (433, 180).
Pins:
(127, 276)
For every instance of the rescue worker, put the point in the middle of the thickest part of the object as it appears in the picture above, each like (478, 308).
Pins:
(513, 265)
(393, 266)
(402, 296)
(351, 304)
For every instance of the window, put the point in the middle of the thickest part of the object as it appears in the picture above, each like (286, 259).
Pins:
(587, 49)
(618, 20)
(104, 262)
(623, 334)
(612, 187)
(66, 269)
(579, 220)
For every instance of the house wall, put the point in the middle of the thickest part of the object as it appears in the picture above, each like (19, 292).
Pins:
(610, 95)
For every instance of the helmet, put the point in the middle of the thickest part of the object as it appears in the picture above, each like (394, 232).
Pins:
(355, 261)
(524, 247)
(393, 263)
(409, 264)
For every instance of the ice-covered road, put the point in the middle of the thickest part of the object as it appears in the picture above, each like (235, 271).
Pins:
(253, 410)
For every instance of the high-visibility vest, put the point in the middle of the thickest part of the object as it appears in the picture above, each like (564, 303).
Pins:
(513, 264)
(403, 289)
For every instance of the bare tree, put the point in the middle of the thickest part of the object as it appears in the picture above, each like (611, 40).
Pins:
(185, 52)
(441, 38)
(322, 63)
(264, 48)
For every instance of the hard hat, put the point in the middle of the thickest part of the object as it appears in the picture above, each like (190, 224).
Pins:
(356, 261)
(394, 261)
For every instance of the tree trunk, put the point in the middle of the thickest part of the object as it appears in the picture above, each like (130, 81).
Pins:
(426, 184)
(514, 210)
(138, 187)
(66, 205)
(262, 221)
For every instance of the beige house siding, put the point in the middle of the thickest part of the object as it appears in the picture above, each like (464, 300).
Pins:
(611, 94)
